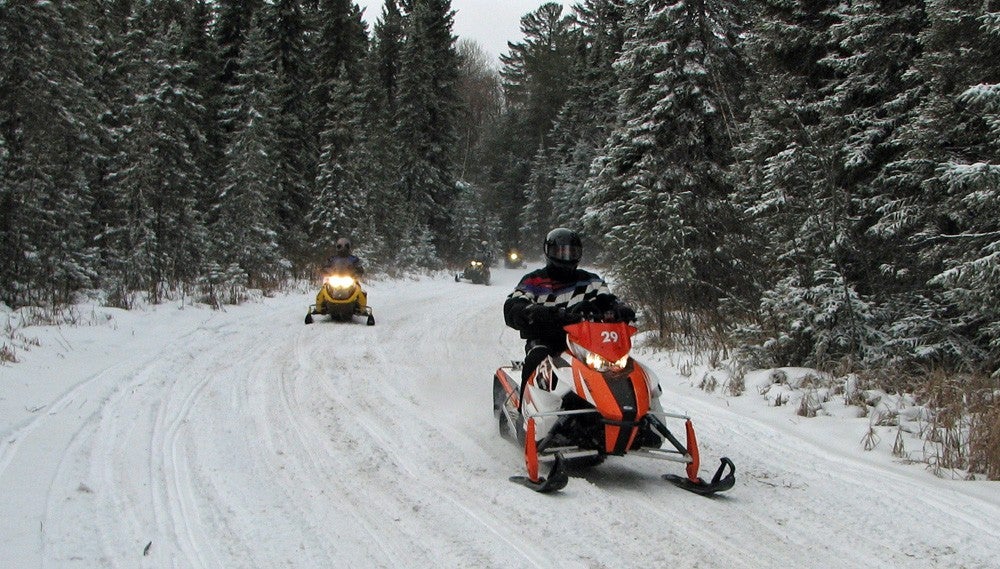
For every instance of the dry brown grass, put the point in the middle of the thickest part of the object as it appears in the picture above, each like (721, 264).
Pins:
(984, 437)
(7, 355)
(964, 432)
(898, 448)
(736, 385)
(809, 404)
(871, 438)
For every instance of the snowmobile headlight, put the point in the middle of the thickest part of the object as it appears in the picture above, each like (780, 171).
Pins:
(602, 365)
(476, 264)
(340, 281)
(596, 362)
(513, 256)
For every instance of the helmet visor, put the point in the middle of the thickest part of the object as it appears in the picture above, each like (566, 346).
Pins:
(570, 253)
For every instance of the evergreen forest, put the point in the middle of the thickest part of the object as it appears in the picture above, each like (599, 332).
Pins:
(794, 182)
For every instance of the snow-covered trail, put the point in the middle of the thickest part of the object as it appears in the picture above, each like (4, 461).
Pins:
(246, 439)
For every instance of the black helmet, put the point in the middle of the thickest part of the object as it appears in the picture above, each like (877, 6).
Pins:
(563, 248)
(344, 246)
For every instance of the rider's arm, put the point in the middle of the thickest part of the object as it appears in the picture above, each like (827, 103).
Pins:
(608, 302)
(515, 312)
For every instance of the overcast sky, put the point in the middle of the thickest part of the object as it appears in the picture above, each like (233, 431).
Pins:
(491, 23)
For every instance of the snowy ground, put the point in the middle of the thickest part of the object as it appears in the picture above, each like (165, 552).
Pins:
(196, 438)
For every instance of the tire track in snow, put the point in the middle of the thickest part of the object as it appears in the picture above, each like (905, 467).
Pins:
(59, 432)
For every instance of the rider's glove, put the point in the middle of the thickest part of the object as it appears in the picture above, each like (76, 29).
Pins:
(624, 313)
(540, 314)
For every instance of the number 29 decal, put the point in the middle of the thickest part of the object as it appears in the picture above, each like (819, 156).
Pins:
(608, 336)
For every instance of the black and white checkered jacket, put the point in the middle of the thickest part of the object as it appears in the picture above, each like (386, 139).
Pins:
(556, 290)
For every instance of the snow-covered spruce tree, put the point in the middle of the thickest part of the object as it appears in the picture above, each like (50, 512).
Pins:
(118, 65)
(946, 206)
(160, 234)
(338, 53)
(793, 187)
(385, 64)
(659, 191)
(873, 45)
(49, 144)
(587, 117)
(426, 123)
(821, 324)
(234, 17)
(382, 237)
(286, 30)
(781, 160)
(536, 73)
(200, 48)
(246, 232)
(339, 207)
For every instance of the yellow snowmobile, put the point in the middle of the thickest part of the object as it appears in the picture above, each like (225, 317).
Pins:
(342, 299)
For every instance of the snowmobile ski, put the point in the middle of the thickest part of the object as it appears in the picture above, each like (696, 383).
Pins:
(721, 482)
(555, 481)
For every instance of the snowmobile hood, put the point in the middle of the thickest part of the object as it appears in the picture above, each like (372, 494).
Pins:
(610, 340)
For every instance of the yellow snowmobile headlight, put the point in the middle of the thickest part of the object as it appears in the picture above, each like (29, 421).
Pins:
(513, 256)
(339, 281)
(475, 264)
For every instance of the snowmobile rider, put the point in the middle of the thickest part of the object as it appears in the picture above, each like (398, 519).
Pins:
(485, 254)
(343, 260)
(542, 302)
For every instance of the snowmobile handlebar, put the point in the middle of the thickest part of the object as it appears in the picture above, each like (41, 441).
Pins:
(617, 312)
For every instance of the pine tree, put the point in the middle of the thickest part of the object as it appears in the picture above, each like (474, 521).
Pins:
(338, 54)
(160, 234)
(231, 28)
(660, 190)
(873, 44)
(428, 107)
(537, 73)
(948, 180)
(588, 116)
(386, 63)
(286, 33)
(384, 238)
(49, 147)
(340, 208)
(794, 186)
(246, 232)
(199, 47)
(118, 65)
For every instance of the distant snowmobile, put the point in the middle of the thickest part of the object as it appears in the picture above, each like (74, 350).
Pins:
(513, 260)
(590, 402)
(477, 271)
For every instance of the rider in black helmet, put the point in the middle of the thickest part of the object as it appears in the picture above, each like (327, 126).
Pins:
(539, 305)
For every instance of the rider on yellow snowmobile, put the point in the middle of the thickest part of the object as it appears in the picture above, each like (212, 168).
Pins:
(344, 260)
(341, 295)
